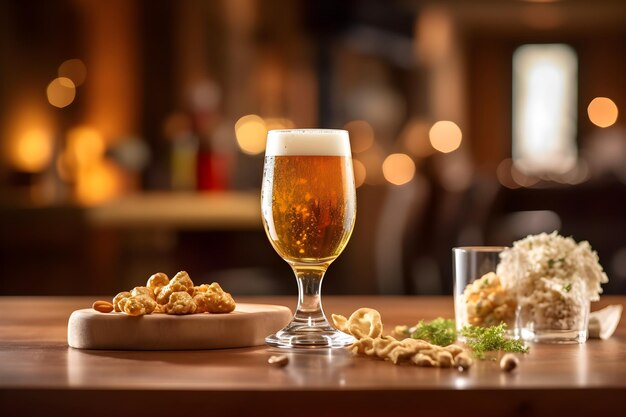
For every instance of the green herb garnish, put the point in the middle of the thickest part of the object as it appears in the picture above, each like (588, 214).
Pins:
(567, 287)
(480, 340)
(440, 331)
(486, 339)
(552, 262)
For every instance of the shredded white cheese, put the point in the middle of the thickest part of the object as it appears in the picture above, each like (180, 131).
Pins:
(554, 279)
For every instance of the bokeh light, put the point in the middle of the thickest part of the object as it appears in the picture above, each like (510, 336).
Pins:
(577, 175)
(99, 183)
(521, 178)
(84, 147)
(445, 136)
(86, 143)
(31, 151)
(360, 172)
(373, 159)
(75, 70)
(414, 137)
(503, 172)
(398, 168)
(251, 133)
(602, 111)
(361, 135)
(61, 92)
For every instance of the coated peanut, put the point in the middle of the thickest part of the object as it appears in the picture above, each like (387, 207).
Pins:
(102, 306)
(278, 361)
(509, 362)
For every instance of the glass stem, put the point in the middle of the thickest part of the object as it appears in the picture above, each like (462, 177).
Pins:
(309, 310)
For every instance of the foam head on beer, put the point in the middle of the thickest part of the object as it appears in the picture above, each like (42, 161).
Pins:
(320, 142)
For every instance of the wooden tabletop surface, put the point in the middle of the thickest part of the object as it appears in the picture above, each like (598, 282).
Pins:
(39, 372)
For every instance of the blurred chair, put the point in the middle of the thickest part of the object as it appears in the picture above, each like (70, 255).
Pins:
(419, 225)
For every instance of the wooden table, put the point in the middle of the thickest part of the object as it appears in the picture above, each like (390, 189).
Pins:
(40, 374)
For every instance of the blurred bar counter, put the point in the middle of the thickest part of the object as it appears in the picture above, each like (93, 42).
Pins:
(72, 250)
(188, 211)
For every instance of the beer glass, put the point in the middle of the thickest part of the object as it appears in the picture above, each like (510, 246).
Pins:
(308, 204)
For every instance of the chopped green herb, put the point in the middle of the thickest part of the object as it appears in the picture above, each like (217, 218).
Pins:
(485, 282)
(551, 263)
(486, 339)
(567, 287)
(480, 340)
(440, 331)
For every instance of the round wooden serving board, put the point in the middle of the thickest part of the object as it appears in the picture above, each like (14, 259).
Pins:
(248, 325)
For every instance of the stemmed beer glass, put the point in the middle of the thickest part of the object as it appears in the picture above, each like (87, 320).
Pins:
(308, 204)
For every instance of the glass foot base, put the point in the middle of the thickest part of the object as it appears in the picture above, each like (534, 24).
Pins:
(554, 336)
(302, 336)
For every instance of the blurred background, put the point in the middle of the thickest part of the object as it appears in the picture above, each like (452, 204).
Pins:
(132, 135)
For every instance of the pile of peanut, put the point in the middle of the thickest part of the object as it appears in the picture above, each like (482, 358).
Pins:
(176, 296)
(366, 326)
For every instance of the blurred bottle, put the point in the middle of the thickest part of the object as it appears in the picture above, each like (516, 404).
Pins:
(212, 168)
(184, 161)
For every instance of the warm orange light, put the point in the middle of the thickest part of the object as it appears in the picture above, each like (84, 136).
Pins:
(445, 136)
(31, 151)
(61, 92)
(251, 133)
(398, 168)
(75, 70)
(85, 147)
(99, 183)
(360, 172)
(361, 135)
(602, 112)
(86, 144)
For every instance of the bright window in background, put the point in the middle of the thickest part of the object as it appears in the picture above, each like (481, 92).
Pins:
(545, 108)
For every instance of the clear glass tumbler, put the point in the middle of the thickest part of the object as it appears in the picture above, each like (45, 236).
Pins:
(551, 314)
(480, 298)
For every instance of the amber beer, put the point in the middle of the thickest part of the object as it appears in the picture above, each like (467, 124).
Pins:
(308, 197)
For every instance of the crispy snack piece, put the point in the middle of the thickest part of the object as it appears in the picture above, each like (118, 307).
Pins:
(200, 289)
(119, 297)
(180, 282)
(180, 302)
(365, 322)
(157, 281)
(175, 296)
(418, 352)
(138, 305)
(147, 291)
(366, 326)
(214, 300)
